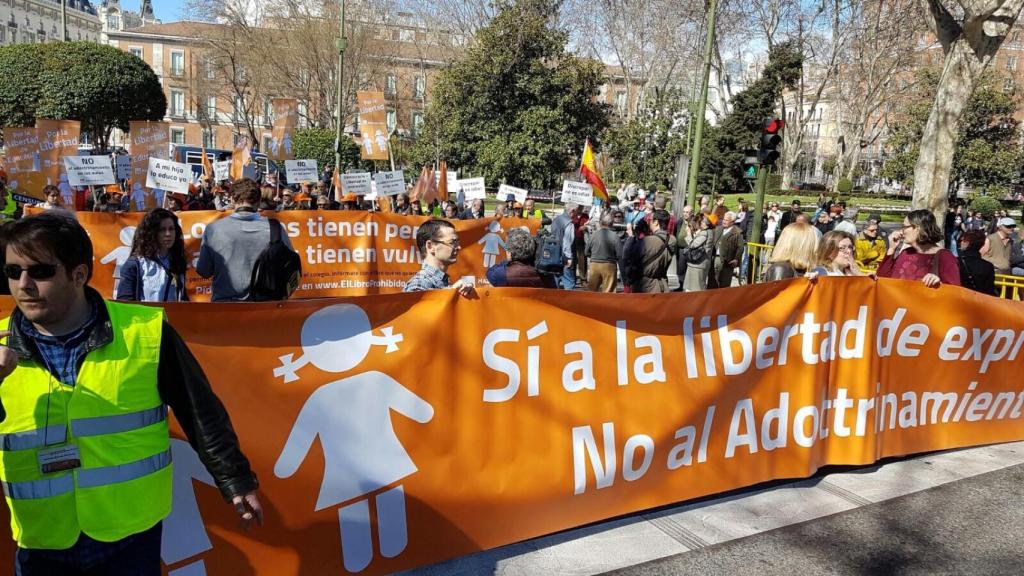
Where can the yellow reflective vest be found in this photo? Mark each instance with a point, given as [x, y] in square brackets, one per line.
[114, 415]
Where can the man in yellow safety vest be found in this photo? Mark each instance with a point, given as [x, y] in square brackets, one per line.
[85, 385]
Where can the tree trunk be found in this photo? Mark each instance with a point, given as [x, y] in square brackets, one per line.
[938, 143]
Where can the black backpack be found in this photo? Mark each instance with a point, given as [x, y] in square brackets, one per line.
[278, 268]
[549, 259]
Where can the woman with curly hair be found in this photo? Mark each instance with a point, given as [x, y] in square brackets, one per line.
[155, 272]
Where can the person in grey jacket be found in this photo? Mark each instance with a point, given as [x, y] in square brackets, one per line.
[232, 245]
[604, 251]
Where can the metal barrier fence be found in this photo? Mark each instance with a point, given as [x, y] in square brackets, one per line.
[1010, 287]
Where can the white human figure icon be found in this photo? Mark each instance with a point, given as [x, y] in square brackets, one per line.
[160, 197]
[493, 243]
[367, 143]
[287, 143]
[274, 146]
[120, 254]
[382, 141]
[139, 196]
[352, 418]
[65, 190]
[184, 533]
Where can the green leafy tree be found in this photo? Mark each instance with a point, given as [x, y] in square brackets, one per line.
[645, 148]
[517, 107]
[987, 150]
[99, 85]
[19, 83]
[318, 144]
[722, 152]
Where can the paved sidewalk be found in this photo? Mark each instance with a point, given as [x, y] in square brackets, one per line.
[677, 533]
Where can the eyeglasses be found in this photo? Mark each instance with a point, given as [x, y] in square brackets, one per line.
[904, 227]
[35, 271]
[845, 248]
[451, 243]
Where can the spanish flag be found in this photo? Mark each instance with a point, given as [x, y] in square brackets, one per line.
[588, 168]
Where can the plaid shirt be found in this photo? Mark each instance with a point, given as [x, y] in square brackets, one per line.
[428, 278]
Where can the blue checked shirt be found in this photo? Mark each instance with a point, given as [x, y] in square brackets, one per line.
[428, 278]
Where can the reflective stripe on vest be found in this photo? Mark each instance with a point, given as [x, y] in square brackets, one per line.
[90, 478]
[45, 488]
[31, 439]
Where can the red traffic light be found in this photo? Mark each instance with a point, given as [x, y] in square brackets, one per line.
[774, 125]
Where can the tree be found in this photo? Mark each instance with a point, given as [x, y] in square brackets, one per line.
[722, 154]
[99, 85]
[517, 106]
[318, 144]
[644, 149]
[986, 150]
[970, 32]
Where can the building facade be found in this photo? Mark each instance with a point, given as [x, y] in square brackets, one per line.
[39, 21]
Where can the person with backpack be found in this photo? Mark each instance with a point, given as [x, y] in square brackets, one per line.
[564, 231]
[604, 251]
[233, 246]
[659, 250]
[976, 273]
[698, 263]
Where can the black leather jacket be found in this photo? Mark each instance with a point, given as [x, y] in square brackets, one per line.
[184, 388]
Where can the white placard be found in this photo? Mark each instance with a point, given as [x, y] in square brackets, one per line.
[222, 170]
[301, 171]
[169, 176]
[358, 183]
[577, 192]
[453, 180]
[504, 190]
[473, 188]
[390, 183]
[124, 166]
[89, 170]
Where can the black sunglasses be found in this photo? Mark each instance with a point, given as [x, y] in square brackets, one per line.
[35, 271]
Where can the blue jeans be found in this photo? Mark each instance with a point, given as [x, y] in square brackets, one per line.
[568, 278]
[136, 555]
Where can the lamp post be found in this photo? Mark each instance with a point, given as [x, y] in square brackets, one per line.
[63, 20]
[341, 96]
[702, 105]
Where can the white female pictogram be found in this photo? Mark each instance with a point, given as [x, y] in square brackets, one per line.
[120, 254]
[352, 418]
[493, 244]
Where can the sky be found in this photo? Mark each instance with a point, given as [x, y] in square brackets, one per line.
[166, 10]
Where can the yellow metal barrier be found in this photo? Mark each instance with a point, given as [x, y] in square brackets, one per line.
[758, 255]
[1010, 287]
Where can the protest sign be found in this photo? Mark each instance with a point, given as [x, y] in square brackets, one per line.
[286, 119]
[504, 190]
[357, 183]
[344, 253]
[301, 171]
[473, 188]
[222, 170]
[148, 140]
[390, 183]
[452, 179]
[89, 170]
[123, 164]
[23, 165]
[549, 410]
[169, 176]
[373, 128]
[57, 138]
[577, 192]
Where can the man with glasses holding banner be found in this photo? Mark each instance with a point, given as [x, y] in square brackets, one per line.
[438, 244]
[84, 390]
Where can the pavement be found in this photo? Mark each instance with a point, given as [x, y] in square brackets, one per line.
[951, 512]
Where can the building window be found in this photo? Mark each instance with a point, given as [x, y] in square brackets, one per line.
[620, 101]
[238, 110]
[303, 115]
[417, 123]
[208, 139]
[209, 68]
[211, 108]
[390, 85]
[177, 135]
[177, 103]
[1008, 85]
[391, 119]
[420, 87]
[177, 62]
[1011, 63]
[112, 21]
[266, 143]
[268, 112]
[3, 34]
[135, 51]
[406, 35]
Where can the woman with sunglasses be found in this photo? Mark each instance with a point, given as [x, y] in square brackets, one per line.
[155, 272]
[914, 253]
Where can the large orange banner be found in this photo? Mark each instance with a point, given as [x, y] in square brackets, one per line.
[148, 140]
[344, 253]
[394, 431]
[57, 138]
[24, 166]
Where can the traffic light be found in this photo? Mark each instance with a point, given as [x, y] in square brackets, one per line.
[771, 137]
[750, 163]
